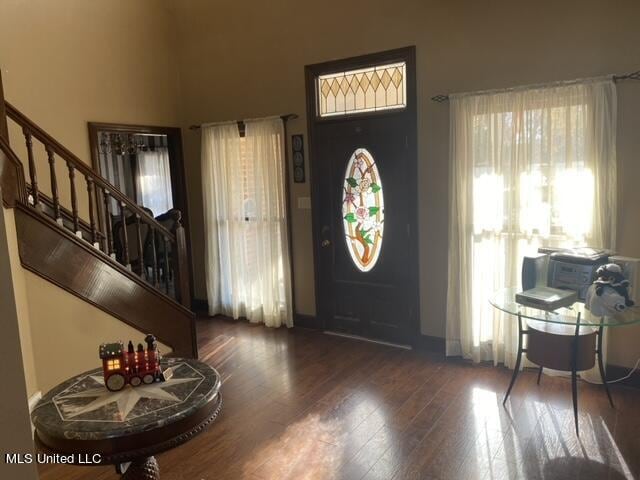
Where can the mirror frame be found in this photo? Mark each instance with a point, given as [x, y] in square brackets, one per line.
[176, 162]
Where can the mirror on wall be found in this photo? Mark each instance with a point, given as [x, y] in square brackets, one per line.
[145, 163]
[138, 165]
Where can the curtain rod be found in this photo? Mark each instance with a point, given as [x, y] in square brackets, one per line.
[285, 117]
[628, 76]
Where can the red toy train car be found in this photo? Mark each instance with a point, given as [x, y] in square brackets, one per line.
[132, 367]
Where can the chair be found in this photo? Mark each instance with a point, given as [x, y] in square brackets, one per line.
[137, 260]
[169, 220]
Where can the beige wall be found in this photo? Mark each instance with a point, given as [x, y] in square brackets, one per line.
[22, 303]
[239, 61]
[66, 338]
[65, 63]
[59, 333]
[14, 414]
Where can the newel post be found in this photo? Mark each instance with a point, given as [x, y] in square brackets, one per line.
[12, 182]
[4, 130]
[180, 264]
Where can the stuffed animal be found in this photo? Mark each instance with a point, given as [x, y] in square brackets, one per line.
[610, 275]
[609, 294]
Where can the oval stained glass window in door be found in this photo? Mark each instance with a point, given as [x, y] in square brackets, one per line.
[363, 210]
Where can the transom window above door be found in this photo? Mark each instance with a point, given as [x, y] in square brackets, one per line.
[380, 87]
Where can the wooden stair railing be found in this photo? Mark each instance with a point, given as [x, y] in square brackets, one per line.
[168, 274]
[77, 255]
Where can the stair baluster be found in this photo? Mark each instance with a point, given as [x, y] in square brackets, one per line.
[141, 265]
[180, 269]
[166, 264]
[32, 167]
[101, 240]
[92, 218]
[54, 184]
[154, 255]
[125, 236]
[74, 199]
[109, 250]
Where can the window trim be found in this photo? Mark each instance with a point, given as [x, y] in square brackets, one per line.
[400, 55]
[363, 70]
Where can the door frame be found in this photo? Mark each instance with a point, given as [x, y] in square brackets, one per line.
[408, 55]
[176, 162]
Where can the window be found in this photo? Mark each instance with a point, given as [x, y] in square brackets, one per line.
[531, 167]
[247, 263]
[382, 87]
[541, 163]
[153, 179]
[113, 364]
[363, 210]
[250, 216]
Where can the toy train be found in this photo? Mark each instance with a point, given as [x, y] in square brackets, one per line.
[133, 367]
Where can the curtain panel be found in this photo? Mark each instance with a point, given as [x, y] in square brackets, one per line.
[247, 250]
[529, 167]
[117, 171]
[154, 180]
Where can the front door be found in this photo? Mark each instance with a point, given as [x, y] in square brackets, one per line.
[363, 159]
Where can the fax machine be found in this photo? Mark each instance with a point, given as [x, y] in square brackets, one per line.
[565, 269]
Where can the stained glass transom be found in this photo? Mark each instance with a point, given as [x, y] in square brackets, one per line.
[369, 89]
[363, 210]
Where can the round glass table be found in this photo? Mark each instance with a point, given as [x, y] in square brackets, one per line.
[566, 339]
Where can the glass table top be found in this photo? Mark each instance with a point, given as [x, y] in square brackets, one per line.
[505, 300]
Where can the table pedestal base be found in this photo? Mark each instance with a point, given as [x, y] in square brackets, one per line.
[141, 469]
[556, 348]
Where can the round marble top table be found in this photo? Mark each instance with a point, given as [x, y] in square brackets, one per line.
[81, 418]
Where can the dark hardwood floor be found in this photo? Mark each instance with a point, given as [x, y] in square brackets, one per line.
[303, 405]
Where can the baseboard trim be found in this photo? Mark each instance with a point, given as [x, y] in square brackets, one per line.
[431, 344]
[616, 371]
[34, 399]
[32, 402]
[307, 321]
[421, 342]
[370, 340]
[199, 305]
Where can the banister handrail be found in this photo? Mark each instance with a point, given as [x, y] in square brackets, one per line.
[13, 183]
[82, 167]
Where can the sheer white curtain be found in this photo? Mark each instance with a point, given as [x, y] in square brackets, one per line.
[247, 250]
[529, 167]
[154, 180]
[113, 167]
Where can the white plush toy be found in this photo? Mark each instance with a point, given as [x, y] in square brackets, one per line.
[609, 302]
[609, 294]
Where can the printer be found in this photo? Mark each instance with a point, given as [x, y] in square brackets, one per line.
[575, 269]
[565, 269]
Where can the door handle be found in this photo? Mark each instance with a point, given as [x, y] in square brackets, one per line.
[324, 233]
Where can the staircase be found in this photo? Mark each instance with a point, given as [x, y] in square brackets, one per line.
[144, 282]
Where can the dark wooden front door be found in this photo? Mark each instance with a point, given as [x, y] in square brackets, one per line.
[364, 210]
